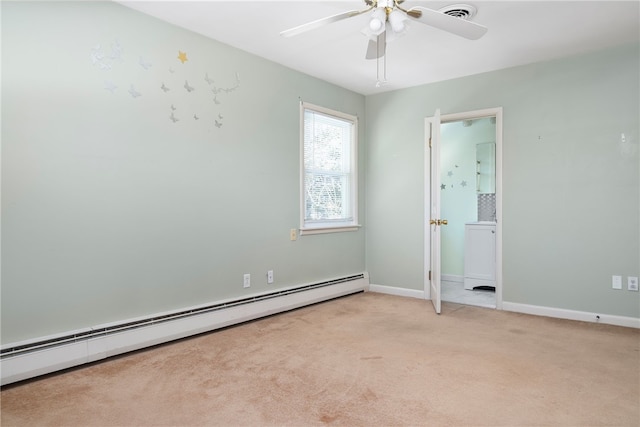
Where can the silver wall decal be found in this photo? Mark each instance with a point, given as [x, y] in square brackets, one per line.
[104, 56]
[134, 93]
[110, 86]
[144, 64]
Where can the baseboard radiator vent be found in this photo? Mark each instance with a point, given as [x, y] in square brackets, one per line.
[20, 361]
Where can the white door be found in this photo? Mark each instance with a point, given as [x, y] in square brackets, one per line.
[434, 209]
[432, 201]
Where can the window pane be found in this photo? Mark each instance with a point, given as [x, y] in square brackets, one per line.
[326, 143]
[327, 166]
[326, 196]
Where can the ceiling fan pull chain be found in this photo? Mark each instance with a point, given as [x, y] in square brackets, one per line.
[384, 59]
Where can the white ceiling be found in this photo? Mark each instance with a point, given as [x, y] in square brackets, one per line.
[520, 32]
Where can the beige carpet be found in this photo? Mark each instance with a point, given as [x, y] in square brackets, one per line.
[363, 360]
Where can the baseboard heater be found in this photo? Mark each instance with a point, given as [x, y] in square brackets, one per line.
[28, 359]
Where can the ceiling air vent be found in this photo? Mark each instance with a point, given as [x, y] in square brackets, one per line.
[462, 11]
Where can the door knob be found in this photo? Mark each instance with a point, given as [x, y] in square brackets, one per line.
[438, 222]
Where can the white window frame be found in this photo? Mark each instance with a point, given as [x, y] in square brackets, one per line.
[330, 226]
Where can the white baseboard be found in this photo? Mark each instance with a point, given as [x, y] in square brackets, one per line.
[560, 313]
[18, 366]
[402, 292]
[451, 278]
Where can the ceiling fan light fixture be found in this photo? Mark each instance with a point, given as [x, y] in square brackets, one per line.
[377, 22]
[396, 19]
[393, 35]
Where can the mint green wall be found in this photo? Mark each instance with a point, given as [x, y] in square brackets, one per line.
[571, 186]
[459, 203]
[110, 210]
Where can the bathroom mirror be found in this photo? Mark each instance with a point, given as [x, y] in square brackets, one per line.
[486, 168]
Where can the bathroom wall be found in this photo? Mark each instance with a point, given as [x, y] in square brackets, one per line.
[458, 193]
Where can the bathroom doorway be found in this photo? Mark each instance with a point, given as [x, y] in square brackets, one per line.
[470, 153]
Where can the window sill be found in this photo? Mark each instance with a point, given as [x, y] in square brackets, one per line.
[325, 230]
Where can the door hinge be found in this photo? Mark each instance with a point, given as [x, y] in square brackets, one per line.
[429, 275]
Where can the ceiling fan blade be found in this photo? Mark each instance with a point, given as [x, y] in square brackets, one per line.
[467, 29]
[321, 22]
[377, 47]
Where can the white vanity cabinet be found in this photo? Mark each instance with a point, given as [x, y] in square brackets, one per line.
[479, 254]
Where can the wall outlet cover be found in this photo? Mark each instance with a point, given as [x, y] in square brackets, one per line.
[632, 283]
[616, 282]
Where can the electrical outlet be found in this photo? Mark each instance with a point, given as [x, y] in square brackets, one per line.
[293, 234]
[247, 281]
[616, 282]
[270, 276]
[632, 283]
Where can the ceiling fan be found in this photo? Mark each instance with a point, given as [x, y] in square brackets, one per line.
[388, 21]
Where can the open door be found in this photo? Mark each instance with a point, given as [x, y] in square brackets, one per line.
[432, 237]
[434, 208]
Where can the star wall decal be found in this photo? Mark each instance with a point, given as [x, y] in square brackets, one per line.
[182, 56]
[463, 183]
[443, 186]
[450, 173]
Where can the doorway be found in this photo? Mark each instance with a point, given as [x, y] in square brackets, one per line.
[466, 154]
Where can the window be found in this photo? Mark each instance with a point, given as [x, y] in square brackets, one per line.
[329, 185]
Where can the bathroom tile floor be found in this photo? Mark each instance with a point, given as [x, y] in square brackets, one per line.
[455, 292]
